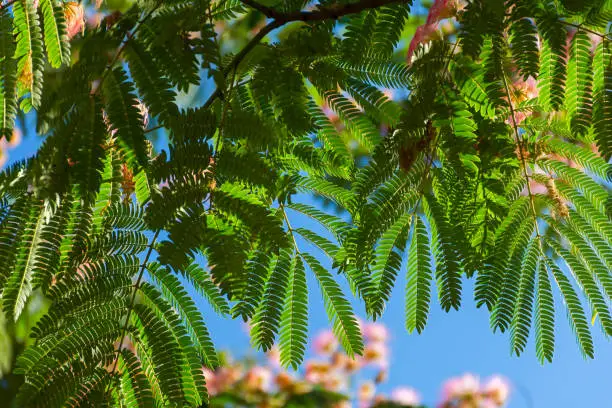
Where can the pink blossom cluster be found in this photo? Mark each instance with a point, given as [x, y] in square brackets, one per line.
[267, 384]
[6, 145]
[468, 392]
[439, 10]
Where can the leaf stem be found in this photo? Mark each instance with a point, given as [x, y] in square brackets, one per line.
[132, 301]
[289, 228]
[521, 146]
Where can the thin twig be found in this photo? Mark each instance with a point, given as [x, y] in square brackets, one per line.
[154, 128]
[124, 44]
[520, 144]
[580, 27]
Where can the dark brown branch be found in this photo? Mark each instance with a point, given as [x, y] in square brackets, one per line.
[580, 27]
[267, 11]
[335, 11]
[324, 13]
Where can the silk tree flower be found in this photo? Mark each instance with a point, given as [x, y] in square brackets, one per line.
[144, 112]
[227, 377]
[258, 379]
[316, 371]
[375, 332]
[497, 389]
[6, 145]
[405, 396]
[460, 387]
[365, 393]
[273, 357]
[284, 381]
[211, 381]
[325, 343]
[74, 13]
[377, 353]
[340, 361]
[335, 380]
[439, 10]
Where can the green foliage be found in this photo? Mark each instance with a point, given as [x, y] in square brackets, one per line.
[492, 162]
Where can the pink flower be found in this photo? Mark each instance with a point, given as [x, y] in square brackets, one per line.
[440, 10]
[366, 393]
[405, 396]
[316, 371]
[75, 18]
[497, 389]
[375, 332]
[258, 379]
[335, 381]
[211, 381]
[226, 377]
[284, 380]
[376, 353]
[144, 112]
[325, 343]
[528, 87]
[460, 387]
[274, 357]
[423, 34]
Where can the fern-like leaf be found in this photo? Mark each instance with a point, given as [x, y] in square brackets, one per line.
[294, 319]
[418, 278]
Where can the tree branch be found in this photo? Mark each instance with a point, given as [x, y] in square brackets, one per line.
[580, 27]
[279, 19]
[267, 11]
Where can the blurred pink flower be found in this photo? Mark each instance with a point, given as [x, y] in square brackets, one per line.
[325, 343]
[75, 18]
[405, 396]
[258, 379]
[595, 40]
[497, 389]
[284, 380]
[440, 10]
[527, 87]
[335, 381]
[460, 387]
[274, 357]
[316, 371]
[375, 332]
[226, 377]
[211, 381]
[377, 353]
[366, 393]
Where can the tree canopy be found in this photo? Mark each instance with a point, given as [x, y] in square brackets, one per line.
[491, 161]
